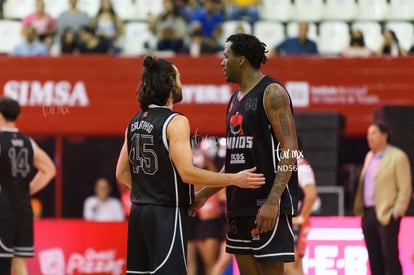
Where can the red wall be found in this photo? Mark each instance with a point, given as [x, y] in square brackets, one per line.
[96, 95]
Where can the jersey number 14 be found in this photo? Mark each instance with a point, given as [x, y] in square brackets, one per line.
[19, 160]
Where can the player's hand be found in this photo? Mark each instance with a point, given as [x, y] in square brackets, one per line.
[296, 221]
[199, 201]
[248, 179]
[266, 217]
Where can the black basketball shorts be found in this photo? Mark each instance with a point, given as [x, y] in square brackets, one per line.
[157, 240]
[273, 246]
[16, 237]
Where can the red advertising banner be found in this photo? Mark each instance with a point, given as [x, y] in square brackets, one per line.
[95, 95]
[71, 247]
[65, 247]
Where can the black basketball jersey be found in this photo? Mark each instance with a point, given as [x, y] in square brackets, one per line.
[154, 177]
[251, 143]
[16, 167]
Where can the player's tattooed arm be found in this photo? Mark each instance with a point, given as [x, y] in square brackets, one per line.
[277, 105]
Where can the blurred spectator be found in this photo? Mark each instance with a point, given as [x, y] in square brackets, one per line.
[213, 44]
[185, 8]
[196, 42]
[90, 43]
[357, 46]
[206, 18]
[72, 18]
[101, 207]
[107, 23]
[169, 28]
[391, 45]
[239, 29]
[44, 24]
[200, 45]
[31, 46]
[244, 9]
[300, 45]
[411, 52]
[68, 42]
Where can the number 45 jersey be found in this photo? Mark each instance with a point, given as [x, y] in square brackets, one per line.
[155, 179]
[16, 171]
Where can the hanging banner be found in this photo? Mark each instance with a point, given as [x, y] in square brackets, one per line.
[95, 95]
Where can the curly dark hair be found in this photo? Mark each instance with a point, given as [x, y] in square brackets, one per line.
[158, 80]
[250, 47]
[9, 108]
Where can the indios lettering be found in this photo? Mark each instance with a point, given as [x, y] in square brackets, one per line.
[240, 142]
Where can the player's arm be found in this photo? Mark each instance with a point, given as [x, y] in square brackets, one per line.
[307, 182]
[123, 172]
[403, 180]
[46, 169]
[277, 106]
[178, 134]
[310, 196]
[202, 196]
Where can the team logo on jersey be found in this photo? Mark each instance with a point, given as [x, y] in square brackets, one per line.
[236, 126]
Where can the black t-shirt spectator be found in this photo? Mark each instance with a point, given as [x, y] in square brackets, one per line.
[103, 46]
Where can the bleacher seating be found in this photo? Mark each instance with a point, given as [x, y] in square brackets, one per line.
[138, 40]
[271, 33]
[340, 10]
[278, 18]
[309, 10]
[292, 30]
[148, 8]
[17, 9]
[91, 7]
[401, 10]
[56, 7]
[126, 9]
[372, 10]
[229, 27]
[276, 10]
[333, 37]
[404, 32]
[10, 35]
